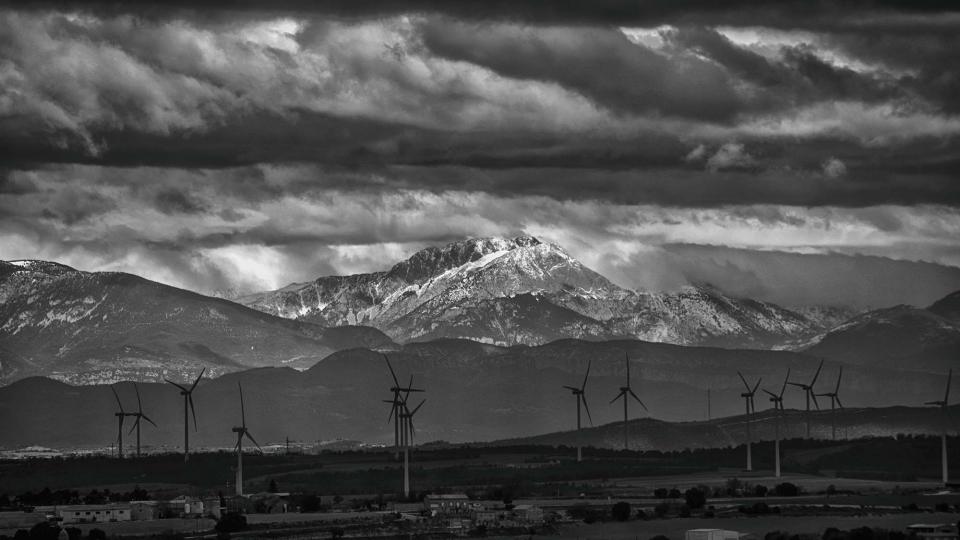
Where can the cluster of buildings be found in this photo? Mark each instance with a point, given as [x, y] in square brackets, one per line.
[180, 507]
[460, 513]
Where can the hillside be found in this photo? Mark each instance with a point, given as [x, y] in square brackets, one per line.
[88, 327]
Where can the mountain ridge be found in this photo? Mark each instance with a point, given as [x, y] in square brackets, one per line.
[434, 291]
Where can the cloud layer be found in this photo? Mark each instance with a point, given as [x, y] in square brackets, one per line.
[233, 146]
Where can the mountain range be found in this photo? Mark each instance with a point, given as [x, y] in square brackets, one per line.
[525, 291]
[88, 327]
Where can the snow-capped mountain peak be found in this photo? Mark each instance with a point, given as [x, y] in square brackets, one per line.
[480, 288]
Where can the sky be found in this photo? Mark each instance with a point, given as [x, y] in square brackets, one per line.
[803, 153]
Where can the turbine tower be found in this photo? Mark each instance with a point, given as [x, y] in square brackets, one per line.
[808, 393]
[397, 402]
[120, 414]
[834, 401]
[242, 432]
[626, 393]
[943, 435]
[751, 408]
[777, 400]
[581, 396]
[139, 415]
[188, 403]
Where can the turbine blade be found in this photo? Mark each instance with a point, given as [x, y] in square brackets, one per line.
[838, 401]
[583, 399]
[417, 408]
[243, 414]
[621, 394]
[147, 418]
[586, 376]
[571, 388]
[817, 374]
[198, 379]
[626, 356]
[784, 389]
[134, 426]
[801, 385]
[946, 396]
[194, 411]
[139, 402]
[770, 393]
[392, 373]
[754, 391]
[636, 397]
[117, 397]
[744, 381]
[254, 441]
[839, 376]
[177, 385]
[814, 398]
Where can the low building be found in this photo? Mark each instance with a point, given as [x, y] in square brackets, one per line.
[938, 531]
[213, 507]
[92, 513]
[181, 507]
[528, 514]
[144, 510]
[447, 504]
[711, 534]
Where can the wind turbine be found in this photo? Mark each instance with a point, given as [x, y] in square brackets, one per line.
[139, 415]
[242, 432]
[121, 414]
[397, 402]
[188, 402]
[808, 393]
[751, 408]
[834, 401]
[777, 400]
[626, 393]
[943, 436]
[580, 394]
[406, 434]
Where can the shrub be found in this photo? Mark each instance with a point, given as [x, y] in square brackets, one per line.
[661, 493]
[621, 511]
[786, 489]
[661, 510]
[675, 493]
[695, 498]
[660, 537]
[97, 534]
[760, 491]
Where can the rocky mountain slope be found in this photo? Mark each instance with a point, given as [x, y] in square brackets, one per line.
[524, 291]
[88, 327]
[474, 392]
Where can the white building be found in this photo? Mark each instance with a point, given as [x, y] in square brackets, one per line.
[938, 531]
[711, 534]
[92, 513]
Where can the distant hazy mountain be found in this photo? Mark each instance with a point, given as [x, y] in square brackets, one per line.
[900, 337]
[524, 291]
[474, 392]
[89, 327]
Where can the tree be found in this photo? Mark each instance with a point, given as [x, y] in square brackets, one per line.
[760, 490]
[44, 531]
[786, 489]
[675, 493]
[660, 493]
[695, 498]
[621, 511]
[74, 533]
[97, 534]
[273, 486]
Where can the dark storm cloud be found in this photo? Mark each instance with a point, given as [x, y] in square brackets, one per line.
[599, 62]
[827, 279]
[887, 14]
